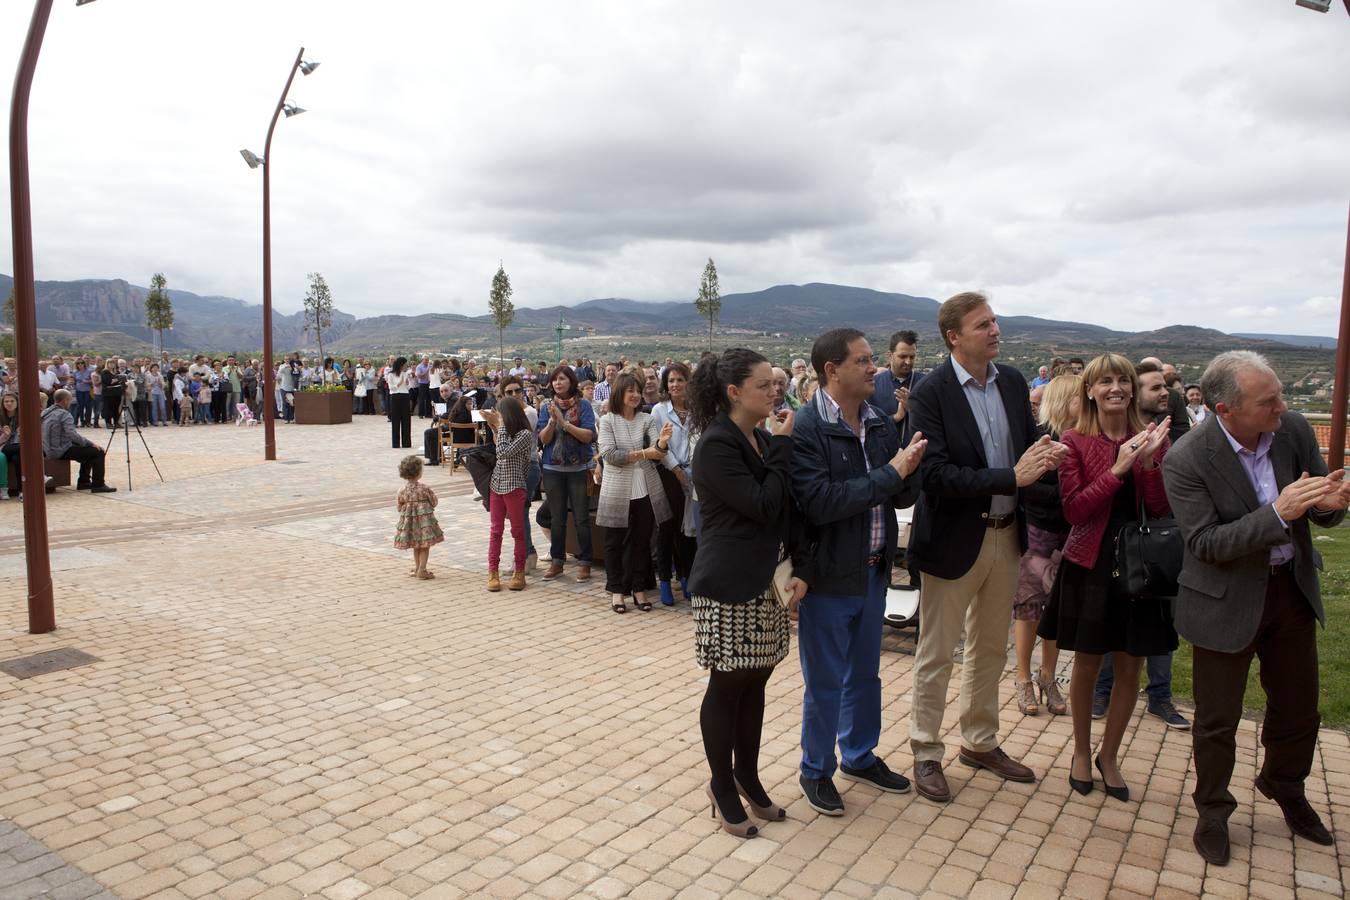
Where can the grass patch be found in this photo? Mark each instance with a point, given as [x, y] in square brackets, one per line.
[1333, 642]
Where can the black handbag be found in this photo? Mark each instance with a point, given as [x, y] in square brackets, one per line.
[1148, 555]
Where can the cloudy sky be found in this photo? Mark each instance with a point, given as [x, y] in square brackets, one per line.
[1131, 164]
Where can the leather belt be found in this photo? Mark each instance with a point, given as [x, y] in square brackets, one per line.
[875, 559]
[997, 522]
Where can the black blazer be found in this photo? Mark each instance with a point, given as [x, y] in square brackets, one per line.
[745, 504]
[950, 517]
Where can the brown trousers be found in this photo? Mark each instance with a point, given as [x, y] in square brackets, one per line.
[1286, 645]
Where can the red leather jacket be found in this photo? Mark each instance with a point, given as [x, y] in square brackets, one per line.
[1088, 489]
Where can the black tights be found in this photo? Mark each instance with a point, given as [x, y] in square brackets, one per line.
[732, 719]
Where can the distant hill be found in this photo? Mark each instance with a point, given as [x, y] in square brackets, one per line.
[1293, 340]
[89, 313]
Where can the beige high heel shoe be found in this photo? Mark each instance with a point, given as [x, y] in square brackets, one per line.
[742, 830]
[771, 813]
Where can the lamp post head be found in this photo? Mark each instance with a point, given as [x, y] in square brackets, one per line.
[292, 109]
[307, 67]
[249, 156]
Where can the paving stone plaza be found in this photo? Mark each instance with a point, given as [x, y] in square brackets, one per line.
[277, 710]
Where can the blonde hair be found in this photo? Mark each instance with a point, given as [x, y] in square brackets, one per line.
[1057, 402]
[410, 468]
[1107, 364]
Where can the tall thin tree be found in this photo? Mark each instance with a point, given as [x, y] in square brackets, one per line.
[502, 309]
[709, 299]
[318, 308]
[7, 346]
[158, 307]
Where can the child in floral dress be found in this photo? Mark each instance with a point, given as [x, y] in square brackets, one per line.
[417, 525]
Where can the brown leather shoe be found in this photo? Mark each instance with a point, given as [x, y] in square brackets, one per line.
[998, 762]
[584, 572]
[1211, 841]
[517, 580]
[1301, 818]
[554, 570]
[930, 782]
[494, 582]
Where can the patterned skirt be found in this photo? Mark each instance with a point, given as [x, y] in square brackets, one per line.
[417, 527]
[733, 636]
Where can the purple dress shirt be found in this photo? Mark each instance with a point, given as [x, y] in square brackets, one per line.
[1261, 473]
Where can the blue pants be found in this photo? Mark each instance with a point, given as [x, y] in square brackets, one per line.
[839, 640]
[82, 407]
[157, 409]
[532, 476]
[1159, 688]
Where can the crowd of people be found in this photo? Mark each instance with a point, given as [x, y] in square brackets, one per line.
[768, 495]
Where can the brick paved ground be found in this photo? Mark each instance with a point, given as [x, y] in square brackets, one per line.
[279, 710]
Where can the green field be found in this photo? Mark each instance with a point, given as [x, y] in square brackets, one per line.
[1333, 642]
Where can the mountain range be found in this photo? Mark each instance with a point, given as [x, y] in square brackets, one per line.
[93, 312]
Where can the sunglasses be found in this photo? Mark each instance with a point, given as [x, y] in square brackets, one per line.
[509, 391]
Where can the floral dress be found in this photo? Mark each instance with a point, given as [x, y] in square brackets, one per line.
[417, 525]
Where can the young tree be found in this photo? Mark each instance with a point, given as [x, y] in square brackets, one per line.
[318, 308]
[158, 307]
[709, 300]
[502, 309]
[7, 342]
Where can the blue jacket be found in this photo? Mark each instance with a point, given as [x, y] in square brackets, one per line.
[836, 493]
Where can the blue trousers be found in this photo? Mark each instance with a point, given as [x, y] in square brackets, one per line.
[839, 641]
[1159, 678]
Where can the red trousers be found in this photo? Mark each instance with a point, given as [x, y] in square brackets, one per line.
[510, 504]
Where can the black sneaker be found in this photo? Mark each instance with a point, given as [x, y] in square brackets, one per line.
[102, 489]
[821, 795]
[1099, 705]
[1164, 710]
[878, 776]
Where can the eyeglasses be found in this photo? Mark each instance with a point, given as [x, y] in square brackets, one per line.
[510, 391]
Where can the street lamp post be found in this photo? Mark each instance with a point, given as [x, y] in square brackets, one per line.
[268, 372]
[41, 607]
[1340, 391]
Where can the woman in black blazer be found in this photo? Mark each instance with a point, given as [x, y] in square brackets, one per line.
[742, 477]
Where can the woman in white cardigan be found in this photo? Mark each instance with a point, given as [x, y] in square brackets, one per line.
[632, 501]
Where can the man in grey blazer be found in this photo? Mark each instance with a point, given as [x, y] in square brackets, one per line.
[1244, 485]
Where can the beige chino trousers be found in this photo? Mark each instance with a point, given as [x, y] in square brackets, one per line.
[981, 600]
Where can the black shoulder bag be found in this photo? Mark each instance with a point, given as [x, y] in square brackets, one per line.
[1148, 555]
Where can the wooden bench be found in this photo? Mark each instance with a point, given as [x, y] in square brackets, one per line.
[58, 470]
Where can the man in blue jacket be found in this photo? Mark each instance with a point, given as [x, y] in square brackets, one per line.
[849, 473]
[893, 384]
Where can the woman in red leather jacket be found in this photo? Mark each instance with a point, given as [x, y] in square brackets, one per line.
[1114, 463]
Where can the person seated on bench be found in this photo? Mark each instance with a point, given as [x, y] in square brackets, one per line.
[60, 440]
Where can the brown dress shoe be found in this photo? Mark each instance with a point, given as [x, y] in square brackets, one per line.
[1301, 818]
[554, 570]
[930, 782]
[1211, 841]
[584, 572]
[998, 762]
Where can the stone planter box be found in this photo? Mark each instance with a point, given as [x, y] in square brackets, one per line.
[314, 408]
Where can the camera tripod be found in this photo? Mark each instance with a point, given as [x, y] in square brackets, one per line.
[128, 422]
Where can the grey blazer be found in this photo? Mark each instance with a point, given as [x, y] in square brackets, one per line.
[1229, 536]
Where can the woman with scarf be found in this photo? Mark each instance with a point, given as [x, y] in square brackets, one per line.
[675, 544]
[567, 431]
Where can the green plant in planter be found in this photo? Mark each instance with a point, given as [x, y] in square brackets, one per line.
[325, 389]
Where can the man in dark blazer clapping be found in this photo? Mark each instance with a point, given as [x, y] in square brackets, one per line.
[1244, 485]
[969, 534]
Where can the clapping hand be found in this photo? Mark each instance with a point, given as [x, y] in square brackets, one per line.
[1039, 458]
[1338, 493]
[492, 418]
[1141, 446]
[780, 423]
[906, 459]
